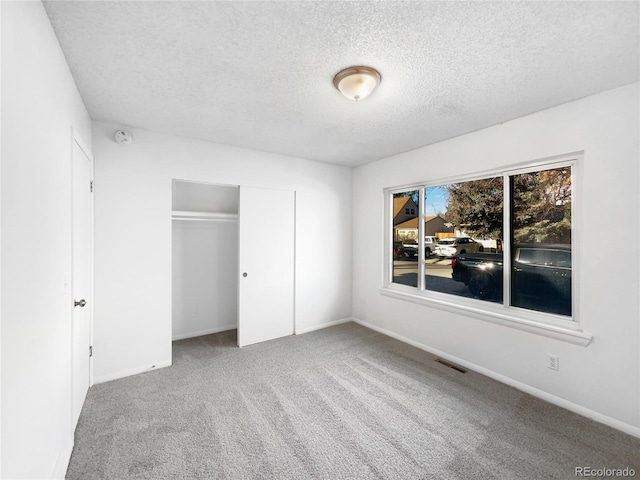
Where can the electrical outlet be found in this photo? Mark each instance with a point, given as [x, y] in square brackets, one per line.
[554, 362]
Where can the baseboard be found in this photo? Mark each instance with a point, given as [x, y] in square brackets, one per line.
[62, 462]
[299, 331]
[182, 336]
[131, 371]
[548, 397]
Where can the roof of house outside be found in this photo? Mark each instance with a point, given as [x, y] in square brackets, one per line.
[399, 203]
[413, 222]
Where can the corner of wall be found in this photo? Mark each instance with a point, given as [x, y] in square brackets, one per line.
[62, 462]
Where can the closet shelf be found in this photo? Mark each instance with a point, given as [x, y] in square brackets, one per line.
[204, 216]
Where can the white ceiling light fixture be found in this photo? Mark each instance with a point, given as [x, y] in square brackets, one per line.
[357, 83]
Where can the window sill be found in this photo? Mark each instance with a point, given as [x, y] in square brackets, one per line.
[496, 314]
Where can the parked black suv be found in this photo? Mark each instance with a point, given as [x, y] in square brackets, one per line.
[540, 277]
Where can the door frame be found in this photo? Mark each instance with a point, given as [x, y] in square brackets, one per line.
[239, 186]
[76, 139]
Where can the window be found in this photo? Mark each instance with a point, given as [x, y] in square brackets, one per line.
[466, 218]
[466, 231]
[541, 240]
[405, 238]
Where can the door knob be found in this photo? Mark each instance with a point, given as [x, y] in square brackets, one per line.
[80, 303]
[245, 274]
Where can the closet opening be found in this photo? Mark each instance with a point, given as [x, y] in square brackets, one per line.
[205, 256]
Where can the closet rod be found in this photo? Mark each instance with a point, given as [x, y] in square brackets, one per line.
[205, 216]
[212, 220]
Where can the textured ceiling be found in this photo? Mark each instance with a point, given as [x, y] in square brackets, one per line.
[259, 74]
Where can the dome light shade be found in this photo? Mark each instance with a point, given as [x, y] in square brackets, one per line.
[356, 83]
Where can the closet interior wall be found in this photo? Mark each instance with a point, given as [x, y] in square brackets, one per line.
[205, 258]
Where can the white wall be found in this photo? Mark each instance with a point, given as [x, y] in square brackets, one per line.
[40, 103]
[132, 323]
[602, 379]
[205, 277]
[205, 197]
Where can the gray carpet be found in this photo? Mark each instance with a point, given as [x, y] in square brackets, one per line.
[341, 403]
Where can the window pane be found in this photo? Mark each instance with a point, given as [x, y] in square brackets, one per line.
[405, 238]
[541, 243]
[463, 223]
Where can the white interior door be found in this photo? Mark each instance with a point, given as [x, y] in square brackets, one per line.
[266, 275]
[81, 337]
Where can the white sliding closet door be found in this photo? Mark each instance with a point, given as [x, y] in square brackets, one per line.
[266, 274]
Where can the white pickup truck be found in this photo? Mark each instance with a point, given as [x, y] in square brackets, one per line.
[449, 247]
[430, 242]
